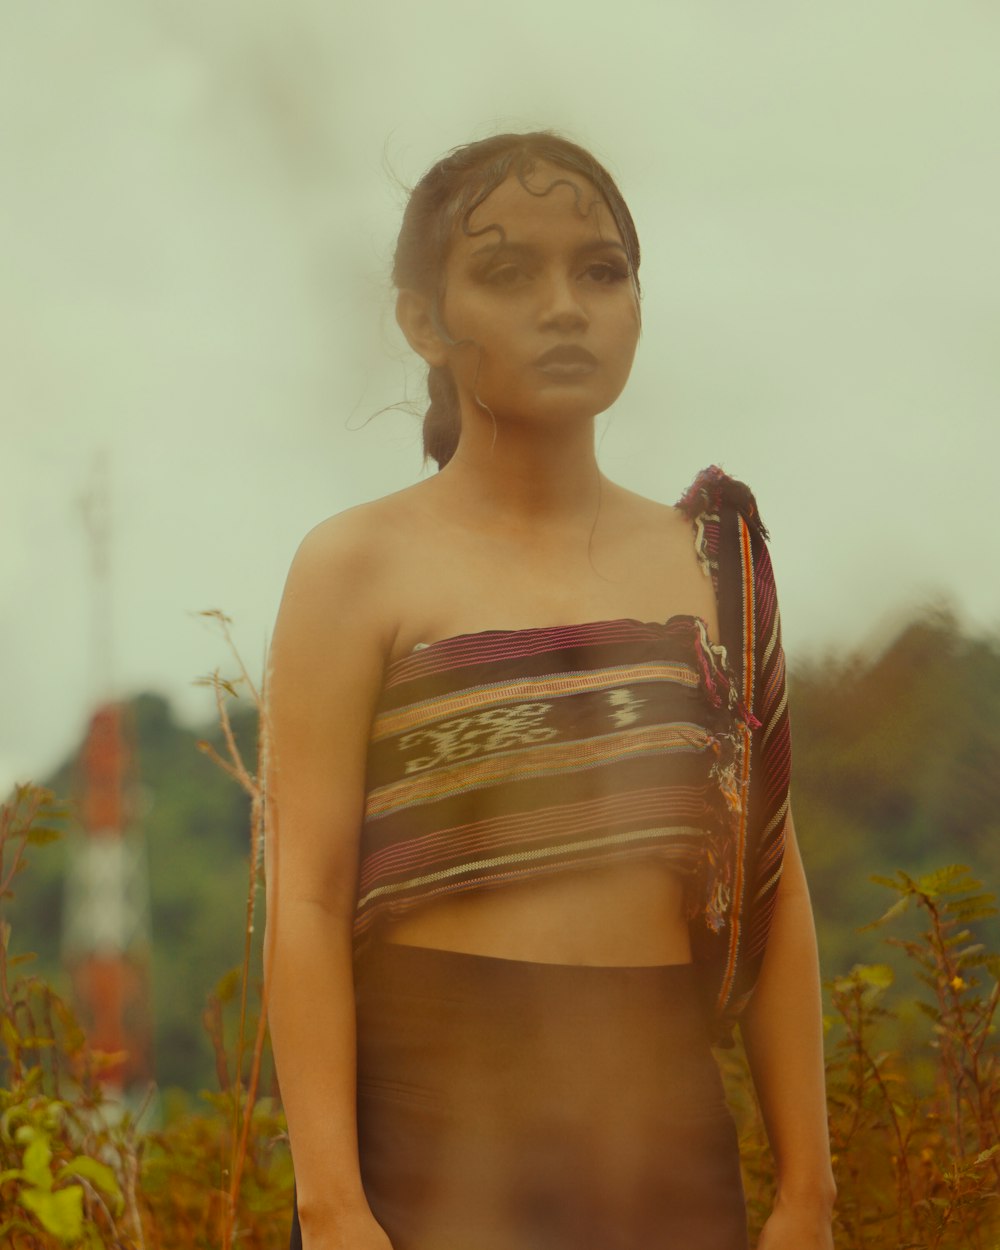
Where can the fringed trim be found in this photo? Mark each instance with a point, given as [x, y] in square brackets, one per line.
[721, 843]
[712, 895]
[699, 545]
[712, 489]
[716, 675]
[718, 884]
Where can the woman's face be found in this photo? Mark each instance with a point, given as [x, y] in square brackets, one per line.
[544, 315]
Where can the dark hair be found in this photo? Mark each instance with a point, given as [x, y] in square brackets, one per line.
[447, 195]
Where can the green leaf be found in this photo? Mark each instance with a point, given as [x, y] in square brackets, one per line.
[879, 975]
[10, 1035]
[973, 907]
[39, 835]
[59, 1211]
[98, 1173]
[897, 909]
[889, 882]
[943, 880]
[228, 984]
[37, 1157]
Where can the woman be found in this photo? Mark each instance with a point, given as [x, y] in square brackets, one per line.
[525, 848]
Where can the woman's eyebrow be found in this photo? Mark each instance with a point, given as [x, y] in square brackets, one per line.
[528, 249]
[601, 245]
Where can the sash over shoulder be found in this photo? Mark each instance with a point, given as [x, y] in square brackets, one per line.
[737, 558]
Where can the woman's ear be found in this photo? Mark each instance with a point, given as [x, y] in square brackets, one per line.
[416, 320]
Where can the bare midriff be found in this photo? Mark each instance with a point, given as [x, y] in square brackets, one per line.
[628, 914]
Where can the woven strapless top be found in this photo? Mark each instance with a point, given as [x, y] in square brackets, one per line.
[508, 754]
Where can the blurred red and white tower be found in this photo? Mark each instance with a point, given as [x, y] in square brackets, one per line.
[106, 928]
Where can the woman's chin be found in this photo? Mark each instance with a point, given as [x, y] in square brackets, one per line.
[552, 409]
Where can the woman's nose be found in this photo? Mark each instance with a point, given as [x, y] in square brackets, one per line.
[561, 304]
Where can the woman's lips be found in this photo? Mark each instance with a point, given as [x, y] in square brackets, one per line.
[566, 362]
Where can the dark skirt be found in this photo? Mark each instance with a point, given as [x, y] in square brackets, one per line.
[507, 1105]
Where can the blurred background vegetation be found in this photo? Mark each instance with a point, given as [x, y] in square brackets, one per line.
[896, 765]
[896, 776]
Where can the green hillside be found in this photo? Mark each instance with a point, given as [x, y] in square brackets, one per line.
[896, 764]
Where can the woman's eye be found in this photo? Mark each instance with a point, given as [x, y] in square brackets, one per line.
[505, 275]
[607, 272]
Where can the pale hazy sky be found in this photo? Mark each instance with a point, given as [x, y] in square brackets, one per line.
[198, 204]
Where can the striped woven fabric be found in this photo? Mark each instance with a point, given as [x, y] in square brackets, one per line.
[507, 754]
[734, 543]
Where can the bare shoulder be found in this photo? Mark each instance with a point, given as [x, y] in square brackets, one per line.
[343, 548]
[363, 533]
[341, 583]
[648, 515]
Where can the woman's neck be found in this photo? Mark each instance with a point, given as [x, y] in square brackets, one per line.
[525, 476]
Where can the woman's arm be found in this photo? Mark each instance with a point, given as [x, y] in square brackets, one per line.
[783, 1032]
[324, 674]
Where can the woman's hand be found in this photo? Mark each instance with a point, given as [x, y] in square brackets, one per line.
[357, 1230]
[802, 1226]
